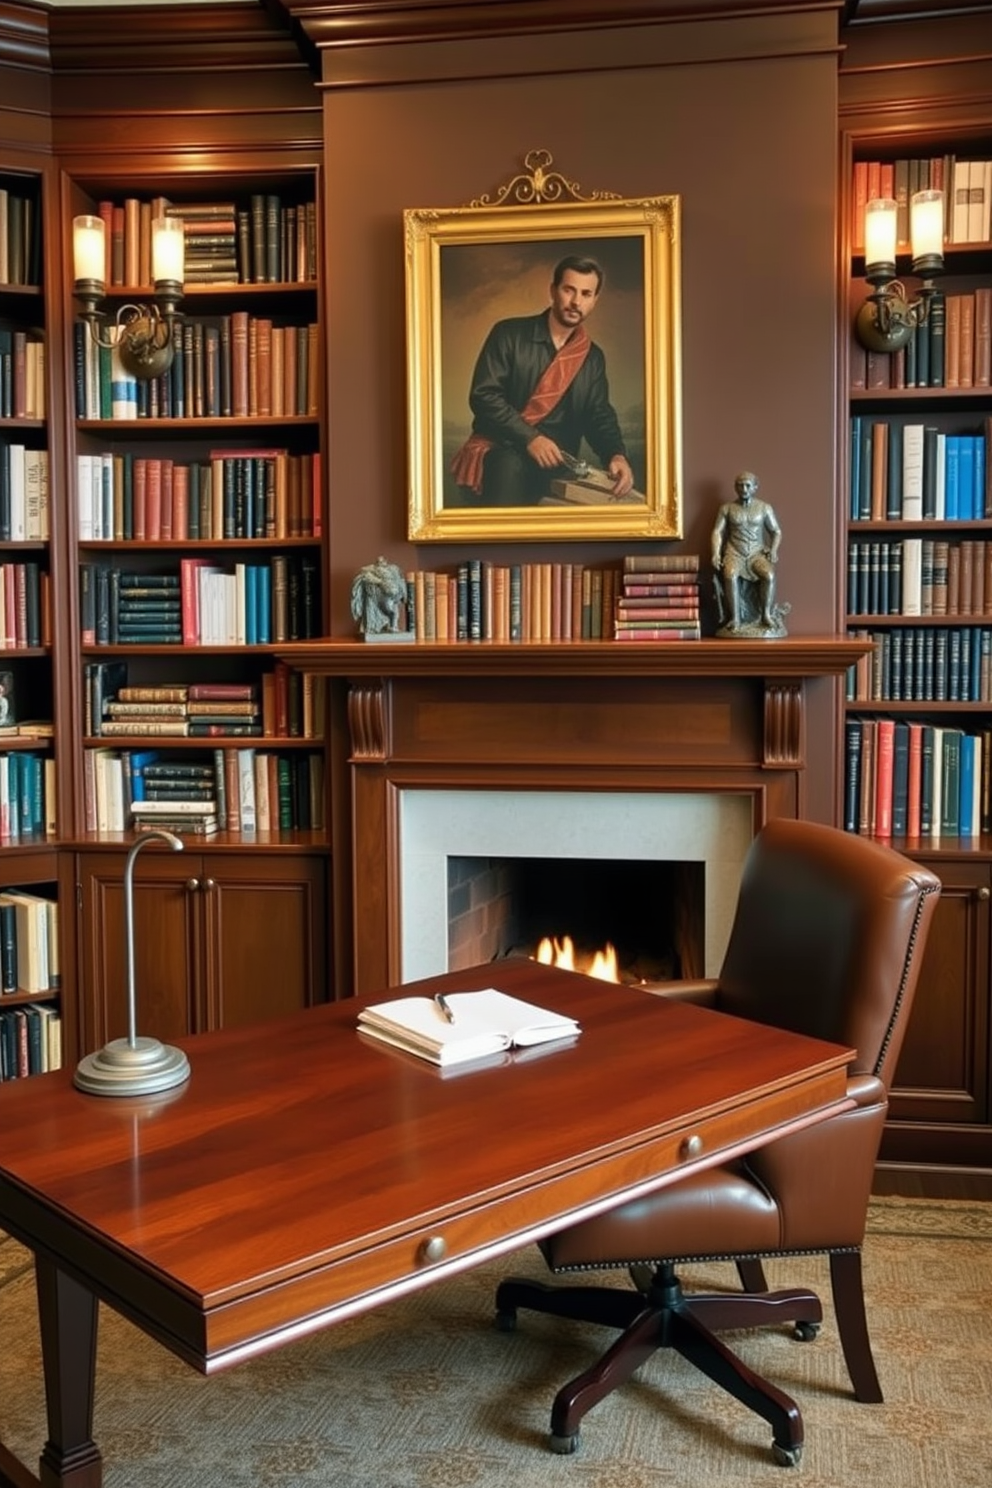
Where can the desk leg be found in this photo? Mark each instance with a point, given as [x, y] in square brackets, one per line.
[68, 1315]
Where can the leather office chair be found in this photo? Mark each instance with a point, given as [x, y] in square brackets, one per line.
[827, 940]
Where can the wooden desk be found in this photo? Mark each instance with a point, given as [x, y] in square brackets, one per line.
[304, 1173]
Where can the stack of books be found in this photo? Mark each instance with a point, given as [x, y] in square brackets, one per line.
[179, 795]
[659, 598]
[197, 710]
[210, 241]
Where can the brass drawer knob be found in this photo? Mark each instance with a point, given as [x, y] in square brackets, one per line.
[691, 1147]
[434, 1249]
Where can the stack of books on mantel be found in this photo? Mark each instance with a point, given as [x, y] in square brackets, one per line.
[659, 598]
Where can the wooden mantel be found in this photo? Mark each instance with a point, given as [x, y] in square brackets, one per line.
[580, 716]
[792, 656]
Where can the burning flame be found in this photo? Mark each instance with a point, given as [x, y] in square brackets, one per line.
[554, 952]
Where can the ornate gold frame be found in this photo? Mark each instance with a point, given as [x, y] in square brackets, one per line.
[533, 209]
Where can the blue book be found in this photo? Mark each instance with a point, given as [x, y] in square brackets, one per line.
[968, 813]
[251, 604]
[952, 478]
[981, 458]
[135, 761]
[966, 477]
[264, 606]
[854, 494]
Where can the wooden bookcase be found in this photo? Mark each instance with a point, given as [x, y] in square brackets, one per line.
[31, 783]
[912, 585]
[215, 469]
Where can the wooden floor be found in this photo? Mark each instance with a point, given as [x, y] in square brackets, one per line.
[939, 1183]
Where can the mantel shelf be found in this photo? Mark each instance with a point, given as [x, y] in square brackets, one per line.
[791, 657]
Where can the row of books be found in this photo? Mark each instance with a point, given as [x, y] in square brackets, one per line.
[27, 796]
[659, 604]
[966, 184]
[29, 943]
[25, 606]
[202, 603]
[285, 704]
[915, 472]
[952, 348]
[919, 576]
[30, 1040]
[939, 664]
[914, 779]
[242, 789]
[233, 494]
[24, 494]
[22, 373]
[262, 240]
[20, 238]
[483, 601]
[230, 366]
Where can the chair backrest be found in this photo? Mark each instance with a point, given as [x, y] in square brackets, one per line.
[825, 939]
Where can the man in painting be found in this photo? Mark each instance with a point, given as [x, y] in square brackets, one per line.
[539, 388]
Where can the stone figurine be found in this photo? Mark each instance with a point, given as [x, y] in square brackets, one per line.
[378, 595]
[746, 540]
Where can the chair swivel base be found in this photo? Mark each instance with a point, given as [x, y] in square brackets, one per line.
[664, 1317]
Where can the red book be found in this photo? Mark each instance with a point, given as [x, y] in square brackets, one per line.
[180, 501]
[165, 521]
[239, 363]
[139, 519]
[153, 501]
[885, 735]
[915, 772]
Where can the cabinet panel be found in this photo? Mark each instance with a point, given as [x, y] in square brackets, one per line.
[264, 938]
[943, 1071]
[165, 944]
[221, 940]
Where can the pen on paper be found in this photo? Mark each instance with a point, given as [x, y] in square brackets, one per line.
[444, 1007]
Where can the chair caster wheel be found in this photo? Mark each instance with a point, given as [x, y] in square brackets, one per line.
[787, 1456]
[563, 1446]
[805, 1332]
[506, 1321]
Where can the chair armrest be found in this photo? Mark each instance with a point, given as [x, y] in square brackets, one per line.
[701, 990]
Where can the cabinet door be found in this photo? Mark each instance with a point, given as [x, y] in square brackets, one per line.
[166, 947]
[943, 1070]
[264, 936]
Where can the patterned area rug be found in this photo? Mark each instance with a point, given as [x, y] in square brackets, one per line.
[426, 1393]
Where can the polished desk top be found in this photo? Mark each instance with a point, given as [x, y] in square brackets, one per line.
[298, 1175]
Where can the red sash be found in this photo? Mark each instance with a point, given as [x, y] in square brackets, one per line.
[552, 386]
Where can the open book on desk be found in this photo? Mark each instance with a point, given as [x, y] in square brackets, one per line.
[463, 1026]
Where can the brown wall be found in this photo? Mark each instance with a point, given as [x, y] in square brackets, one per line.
[749, 142]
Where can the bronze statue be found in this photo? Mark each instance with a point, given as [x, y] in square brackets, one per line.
[378, 594]
[746, 539]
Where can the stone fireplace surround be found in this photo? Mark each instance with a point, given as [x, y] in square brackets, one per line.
[423, 734]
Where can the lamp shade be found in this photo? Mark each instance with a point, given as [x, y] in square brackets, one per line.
[880, 234]
[168, 250]
[926, 226]
[89, 249]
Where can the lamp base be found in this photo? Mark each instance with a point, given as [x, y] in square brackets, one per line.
[142, 1068]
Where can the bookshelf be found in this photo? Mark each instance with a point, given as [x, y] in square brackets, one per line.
[196, 542]
[31, 1012]
[917, 528]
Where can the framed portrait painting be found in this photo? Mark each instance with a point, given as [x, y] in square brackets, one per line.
[544, 371]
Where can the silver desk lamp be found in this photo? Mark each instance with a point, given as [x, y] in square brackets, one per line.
[134, 1066]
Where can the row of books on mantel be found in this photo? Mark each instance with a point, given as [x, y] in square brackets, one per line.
[243, 790]
[916, 779]
[283, 704]
[652, 597]
[258, 493]
[924, 664]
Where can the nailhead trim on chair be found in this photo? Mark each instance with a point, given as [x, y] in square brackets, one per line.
[924, 893]
[688, 1260]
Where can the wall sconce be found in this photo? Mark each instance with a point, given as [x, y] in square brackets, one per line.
[888, 318]
[144, 335]
[133, 1065]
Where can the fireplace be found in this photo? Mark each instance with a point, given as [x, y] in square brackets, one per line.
[586, 751]
[707, 832]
